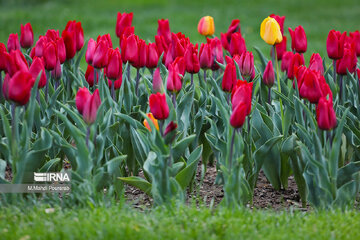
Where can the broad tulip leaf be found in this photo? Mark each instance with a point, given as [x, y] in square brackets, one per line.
[180, 147]
[138, 182]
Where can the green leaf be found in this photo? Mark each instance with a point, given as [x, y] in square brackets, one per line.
[52, 166]
[139, 183]
[180, 147]
[185, 176]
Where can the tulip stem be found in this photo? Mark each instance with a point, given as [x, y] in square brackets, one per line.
[279, 89]
[174, 99]
[228, 98]
[14, 129]
[161, 124]
[47, 85]
[95, 78]
[113, 90]
[341, 88]
[1, 96]
[137, 81]
[232, 149]
[128, 71]
[269, 96]
[334, 73]
[192, 79]
[205, 75]
[87, 136]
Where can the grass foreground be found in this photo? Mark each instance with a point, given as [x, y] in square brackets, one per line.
[184, 223]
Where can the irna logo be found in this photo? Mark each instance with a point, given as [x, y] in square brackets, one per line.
[52, 177]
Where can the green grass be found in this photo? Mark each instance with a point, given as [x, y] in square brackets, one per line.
[184, 223]
[99, 17]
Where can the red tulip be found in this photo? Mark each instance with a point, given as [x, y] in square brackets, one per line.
[247, 64]
[88, 104]
[16, 62]
[89, 75]
[269, 75]
[226, 37]
[133, 50]
[296, 60]
[27, 36]
[335, 44]
[216, 51]
[13, 42]
[229, 77]
[192, 64]
[152, 55]
[286, 60]
[61, 50]
[180, 62]
[164, 30]
[347, 62]
[3, 57]
[242, 93]
[142, 57]
[237, 45]
[298, 39]
[39, 46]
[170, 127]
[280, 20]
[299, 73]
[123, 21]
[106, 38]
[356, 38]
[50, 56]
[280, 49]
[238, 115]
[37, 67]
[316, 63]
[117, 82]
[325, 114]
[100, 59]
[205, 56]
[70, 43]
[312, 86]
[174, 83]
[52, 34]
[158, 106]
[76, 28]
[157, 81]
[161, 45]
[114, 66]
[18, 87]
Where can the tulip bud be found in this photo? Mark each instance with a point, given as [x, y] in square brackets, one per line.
[158, 106]
[123, 21]
[229, 78]
[316, 63]
[335, 44]
[100, 59]
[238, 115]
[356, 38]
[16, 62]
[61, 50]
[247, 64]
[114, 66]
[52, 34]
[129, 49]
[205, 56]
[154, 121]
[88, 104]
[89, 75]
[27, 36]
[50, 56]
[152, 55]
[286, 60]
[70, 43]
[347, 62]
[89, 55]
[242, 93]
[311, 86]
[18, 87]
[237, 45]
[174, 83]
[170, 132]
[39, 46]
[270, 31]
[192, 64]
[142, 55]
[296, 60]
[3, 58]
[206, 26]
[269, 75]
[13, 42]
[37, 67]
[325, 114]
[298, 39]
[157, 82]
[164, 30]
[226, 37]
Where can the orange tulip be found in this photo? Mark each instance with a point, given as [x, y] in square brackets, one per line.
[206, 26]
[155, 122]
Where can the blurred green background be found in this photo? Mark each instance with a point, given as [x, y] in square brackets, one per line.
[99, 17]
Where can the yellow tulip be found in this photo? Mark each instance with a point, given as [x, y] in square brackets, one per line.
[270, 31]
[155, 122]
[206, 26]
